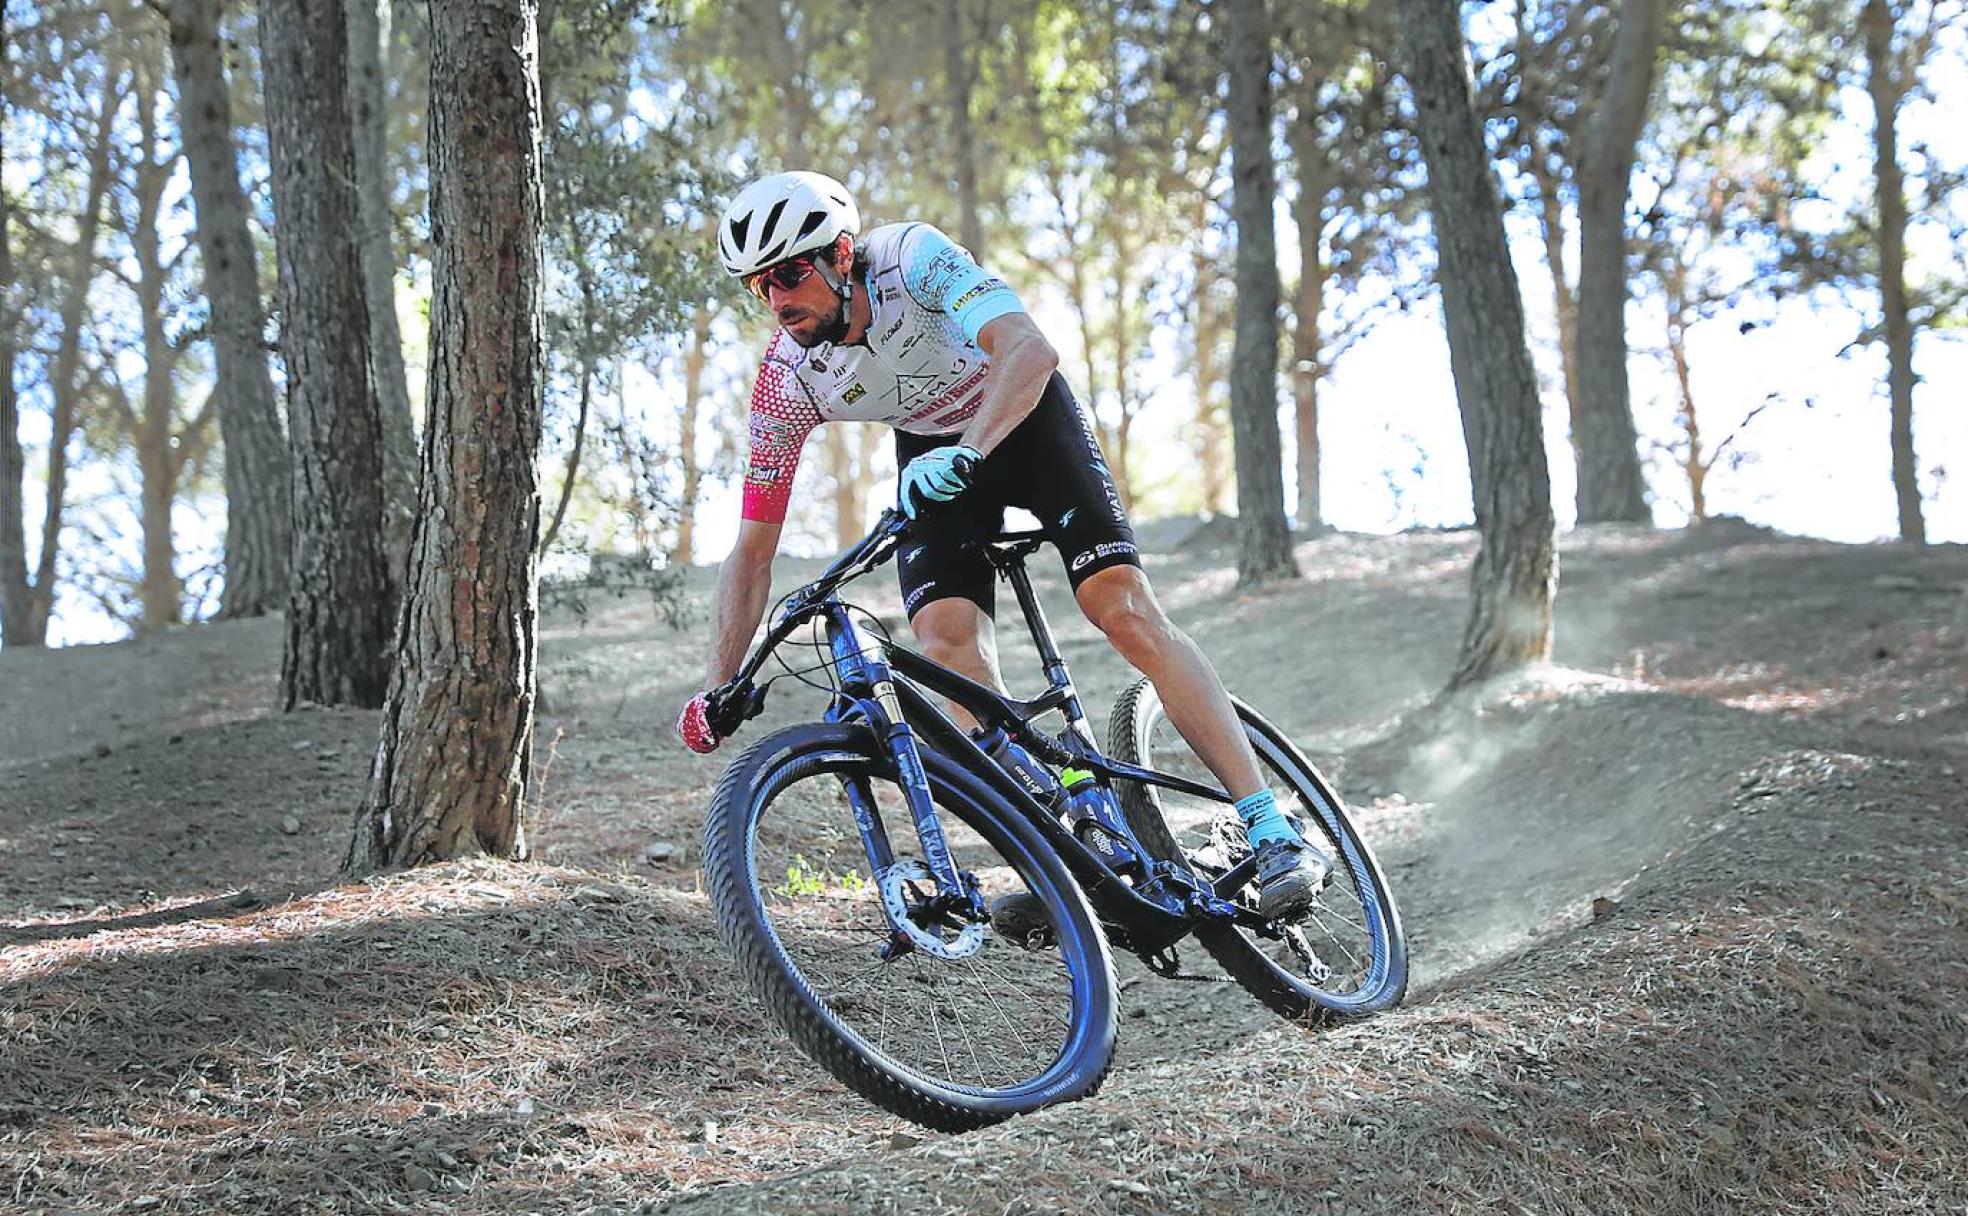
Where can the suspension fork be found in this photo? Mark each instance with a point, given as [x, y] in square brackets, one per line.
[869, 692]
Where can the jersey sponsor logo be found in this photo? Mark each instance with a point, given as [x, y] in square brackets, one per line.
[943, 268]
[1107, 488]
[762, 475]
[854, 393]
[1106, 548]
[1068, 517]
[977, 293]
[913, 554]
[769, 434]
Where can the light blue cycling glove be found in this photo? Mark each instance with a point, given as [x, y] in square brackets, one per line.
[938, 476]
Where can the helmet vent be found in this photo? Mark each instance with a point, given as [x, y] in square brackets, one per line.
[738, 230]
[772, 221]
[813, 220]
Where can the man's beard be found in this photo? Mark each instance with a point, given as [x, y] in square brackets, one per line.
[831, 331]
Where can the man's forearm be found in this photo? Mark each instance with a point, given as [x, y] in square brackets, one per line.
[741, 593]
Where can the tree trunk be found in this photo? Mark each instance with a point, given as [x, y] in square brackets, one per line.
[572, 472]
[1119, 464]
[694, 360]
[160, 592]
[1551, 221]
[66, 388]
[368, 32]
[1515, 576]
[1887, 92]
[848, 495]
[1264, 537]
[959, 76]
[339, 609]
[258, 478]
[456, 752]
[1610, 486]
[1308, 364]
[14, 591]
[1695, 462]
[590, 317]
[1212, 444]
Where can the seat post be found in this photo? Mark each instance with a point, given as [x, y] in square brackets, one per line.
[1011, 564]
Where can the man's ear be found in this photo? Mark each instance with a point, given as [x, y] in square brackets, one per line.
[843, 255]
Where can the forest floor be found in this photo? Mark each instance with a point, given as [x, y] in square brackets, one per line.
[1748, 753]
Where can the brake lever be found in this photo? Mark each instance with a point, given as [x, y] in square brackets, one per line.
[732, 705]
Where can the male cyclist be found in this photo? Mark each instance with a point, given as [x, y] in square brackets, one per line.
[904, 327]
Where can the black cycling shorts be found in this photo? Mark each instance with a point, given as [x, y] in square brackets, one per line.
[1051, 466]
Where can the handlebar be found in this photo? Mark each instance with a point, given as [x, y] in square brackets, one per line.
[738, 700]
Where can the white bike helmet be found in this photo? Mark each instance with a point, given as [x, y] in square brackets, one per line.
[785, 214]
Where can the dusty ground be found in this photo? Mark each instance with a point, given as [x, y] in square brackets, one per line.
[1751, 744]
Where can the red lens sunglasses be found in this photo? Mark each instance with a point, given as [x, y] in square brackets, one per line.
[785, 276]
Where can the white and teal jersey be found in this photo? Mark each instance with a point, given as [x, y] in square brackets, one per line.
[919, 368]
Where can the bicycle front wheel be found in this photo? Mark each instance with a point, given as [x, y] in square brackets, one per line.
[1346, 957]
[956, 1029]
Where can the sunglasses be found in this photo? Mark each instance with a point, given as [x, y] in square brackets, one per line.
[785, 276]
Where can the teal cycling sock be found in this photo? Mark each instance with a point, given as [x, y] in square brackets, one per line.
[1263, 821]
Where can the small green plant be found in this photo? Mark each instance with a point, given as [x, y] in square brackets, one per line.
[804, 878]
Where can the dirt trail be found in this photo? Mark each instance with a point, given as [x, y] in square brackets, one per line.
[1751, 744]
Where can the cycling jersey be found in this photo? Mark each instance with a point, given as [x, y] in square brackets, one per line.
[919, 368]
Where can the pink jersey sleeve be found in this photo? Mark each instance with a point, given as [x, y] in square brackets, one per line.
[782, 416]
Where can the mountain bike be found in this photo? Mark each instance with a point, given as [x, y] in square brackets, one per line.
[855, 864]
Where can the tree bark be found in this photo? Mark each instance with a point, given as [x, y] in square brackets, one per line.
[1887, 91]
[1610, 486]
[340, 608]
[368, 32]
[15, 594]
[1264, 537]
[1308, 363]
[452, 767]
[1515, 576]
[258, 475]
[959, 77]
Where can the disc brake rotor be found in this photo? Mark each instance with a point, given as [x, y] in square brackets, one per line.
[904, 907]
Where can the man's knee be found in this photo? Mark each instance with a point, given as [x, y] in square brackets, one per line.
[1122, 606]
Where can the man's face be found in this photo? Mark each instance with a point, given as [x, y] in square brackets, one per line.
[809, 310]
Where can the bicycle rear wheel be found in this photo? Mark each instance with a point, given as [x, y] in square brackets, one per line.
[1347, 957]
[962, 1028]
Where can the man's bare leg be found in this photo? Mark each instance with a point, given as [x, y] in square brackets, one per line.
[1121, 604]
[1290, 871]
[956, 633]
